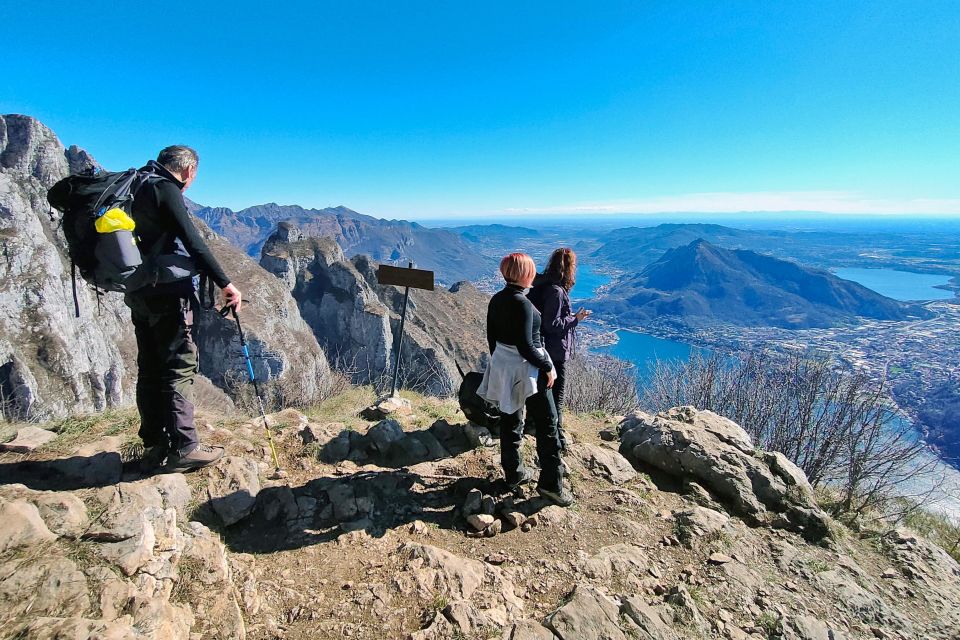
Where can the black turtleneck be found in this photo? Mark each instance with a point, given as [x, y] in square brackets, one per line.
[158, 209]
[514, 321]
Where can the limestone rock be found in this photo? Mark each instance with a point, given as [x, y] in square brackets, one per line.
[528, 630]
[480, 521]
[700, 521]
[49, 585]
[356, 318]
[52, 364]
[717, 453]
[685, 607]
[232, 488]
[589, 615]
[438, 572]
[58, 628]
[28, 439]
[651, 622]
[603, 462]
[21, 525]
[616, 560]
[808, 628]
[64, 513]
[383, 434]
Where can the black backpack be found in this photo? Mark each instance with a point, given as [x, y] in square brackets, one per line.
[98, 227]
[477, 410]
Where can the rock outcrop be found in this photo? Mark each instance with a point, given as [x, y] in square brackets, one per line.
[761, 486]
[50, 362]
[285, 352]
[53, 364]
[356, 319]
[393, 529]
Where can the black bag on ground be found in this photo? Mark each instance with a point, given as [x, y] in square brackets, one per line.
[477, 410]
[98, 227]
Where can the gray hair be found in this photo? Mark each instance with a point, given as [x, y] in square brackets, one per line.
[178, 158]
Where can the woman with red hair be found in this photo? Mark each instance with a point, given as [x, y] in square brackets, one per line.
[520, 375]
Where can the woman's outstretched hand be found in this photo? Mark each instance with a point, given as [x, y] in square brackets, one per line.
[583, 313]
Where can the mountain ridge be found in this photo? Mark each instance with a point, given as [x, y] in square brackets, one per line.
[700, 282]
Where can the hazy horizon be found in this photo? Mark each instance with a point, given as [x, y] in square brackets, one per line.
[471, 111]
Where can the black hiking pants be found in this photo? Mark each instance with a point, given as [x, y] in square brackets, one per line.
[543, 414]
[557, 391]
[166, 366]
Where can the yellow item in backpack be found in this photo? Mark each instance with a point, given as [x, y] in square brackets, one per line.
[115, 219]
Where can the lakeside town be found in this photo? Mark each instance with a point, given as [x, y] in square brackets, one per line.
[917, 358]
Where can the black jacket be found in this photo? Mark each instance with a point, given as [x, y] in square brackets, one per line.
[512, 320]
[162, 217]
[559, 321]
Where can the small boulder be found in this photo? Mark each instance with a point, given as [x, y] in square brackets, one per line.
[480, 521]
[28, 438]
[386, 407]
[232, 488]
[603, 462]
[383, 434]
[471, 504]
[719, 558]
[21, 525]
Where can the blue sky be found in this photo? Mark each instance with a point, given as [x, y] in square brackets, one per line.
[433, 110]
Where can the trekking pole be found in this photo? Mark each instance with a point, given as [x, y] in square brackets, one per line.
[277, 471]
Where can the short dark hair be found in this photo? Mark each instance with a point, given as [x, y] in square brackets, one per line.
[178, 157]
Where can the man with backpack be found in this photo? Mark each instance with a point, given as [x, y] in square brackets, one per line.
[162, 312]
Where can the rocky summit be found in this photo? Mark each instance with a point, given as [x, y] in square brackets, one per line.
[53, 364]
[358, 319]
[399, 527]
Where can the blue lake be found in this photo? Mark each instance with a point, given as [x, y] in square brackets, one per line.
[644, 350]
[587, 282]
[899, 285]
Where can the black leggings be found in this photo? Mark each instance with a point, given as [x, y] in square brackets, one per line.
[543, 413]
[558, 389]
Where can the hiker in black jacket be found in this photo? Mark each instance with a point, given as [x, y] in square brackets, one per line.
[520, 375]
[163, 311]
[551, 296]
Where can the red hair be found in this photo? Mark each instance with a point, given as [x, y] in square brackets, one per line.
[518, 267]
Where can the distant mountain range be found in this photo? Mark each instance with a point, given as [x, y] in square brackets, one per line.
[445, 252]
[701, 283]
[632, 248]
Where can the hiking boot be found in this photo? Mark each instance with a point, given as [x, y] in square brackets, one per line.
[524, 476]
[562, 497]
[203, 456]
[153, 457]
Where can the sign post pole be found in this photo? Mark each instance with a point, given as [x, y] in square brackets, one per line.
[403, 320]
[406, 278]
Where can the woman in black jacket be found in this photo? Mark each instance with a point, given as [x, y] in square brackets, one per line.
[551, 296]
[514, 324]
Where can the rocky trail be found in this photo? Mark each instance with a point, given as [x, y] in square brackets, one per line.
[393, 523]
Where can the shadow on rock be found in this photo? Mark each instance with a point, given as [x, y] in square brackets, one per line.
[371, 501]
[386, 444]
[99, 469]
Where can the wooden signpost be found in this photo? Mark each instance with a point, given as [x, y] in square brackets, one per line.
[406, 278]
